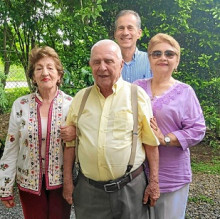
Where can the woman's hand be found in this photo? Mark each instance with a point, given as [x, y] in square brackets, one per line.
[173, 139]
[156, 130]
[68, 133]
[8, 203]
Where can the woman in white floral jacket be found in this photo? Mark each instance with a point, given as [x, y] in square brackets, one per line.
[33, 154]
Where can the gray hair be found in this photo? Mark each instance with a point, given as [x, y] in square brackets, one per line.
[125, 12]
[108, 42]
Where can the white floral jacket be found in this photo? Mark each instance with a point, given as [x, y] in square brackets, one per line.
[22, 158]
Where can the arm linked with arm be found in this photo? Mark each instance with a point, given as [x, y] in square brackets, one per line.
[150, 144]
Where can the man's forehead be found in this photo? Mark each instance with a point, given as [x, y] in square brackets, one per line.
[102, 50]
[103, 55]
[127, 18]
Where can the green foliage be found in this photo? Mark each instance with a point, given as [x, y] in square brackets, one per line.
[72, 84]
[84, 32]
[71, 27]
[16, 73]
[208, 168]
[195, 25]
[12, 94]
[200, 198]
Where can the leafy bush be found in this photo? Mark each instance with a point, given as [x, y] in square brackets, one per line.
[12, 94]
[72, 83]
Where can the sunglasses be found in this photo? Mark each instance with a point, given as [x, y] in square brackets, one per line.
[169, 54]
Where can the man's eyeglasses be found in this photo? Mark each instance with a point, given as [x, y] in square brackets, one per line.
[169, 54]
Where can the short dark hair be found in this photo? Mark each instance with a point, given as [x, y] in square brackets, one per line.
[125, 12]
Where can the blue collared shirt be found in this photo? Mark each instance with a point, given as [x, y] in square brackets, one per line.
[137, 68]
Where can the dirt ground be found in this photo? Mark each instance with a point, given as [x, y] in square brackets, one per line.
[4, 118]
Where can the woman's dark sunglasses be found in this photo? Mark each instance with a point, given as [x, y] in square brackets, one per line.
[168, 54]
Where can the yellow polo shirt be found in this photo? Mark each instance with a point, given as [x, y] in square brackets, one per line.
[106, 126]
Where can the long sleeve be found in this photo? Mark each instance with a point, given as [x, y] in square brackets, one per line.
[10, 155]
[193, 123]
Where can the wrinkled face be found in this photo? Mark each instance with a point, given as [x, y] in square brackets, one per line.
[46, 74]
[164, 59]
[106, 66]
[127, 33]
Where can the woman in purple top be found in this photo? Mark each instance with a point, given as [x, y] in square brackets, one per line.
[178, 123]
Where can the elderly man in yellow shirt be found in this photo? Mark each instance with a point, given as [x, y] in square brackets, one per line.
[104, 189]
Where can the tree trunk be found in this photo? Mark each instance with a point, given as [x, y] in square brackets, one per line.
[6, 56]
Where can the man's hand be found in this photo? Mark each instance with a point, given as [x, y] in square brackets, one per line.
[9, 203]
[151, 193]
[68, 161]
[68, 188]
[68, 133]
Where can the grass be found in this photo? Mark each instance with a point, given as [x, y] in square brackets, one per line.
[200, 198]
[16, 72]
[212, 167]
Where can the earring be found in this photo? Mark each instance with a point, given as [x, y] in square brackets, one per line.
[175, 71]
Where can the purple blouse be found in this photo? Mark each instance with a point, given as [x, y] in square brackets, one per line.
[177, 111]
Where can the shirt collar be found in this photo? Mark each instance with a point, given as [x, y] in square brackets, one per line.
[116, 87]
[39, 98]
[135, 54]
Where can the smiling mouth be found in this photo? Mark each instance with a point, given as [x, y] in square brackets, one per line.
[45, 79]
[103, 76]
[163, 64]
[125, 39]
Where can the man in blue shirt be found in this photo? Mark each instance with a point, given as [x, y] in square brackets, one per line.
[127, 32]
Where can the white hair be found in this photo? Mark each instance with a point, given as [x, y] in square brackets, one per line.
[108, 42]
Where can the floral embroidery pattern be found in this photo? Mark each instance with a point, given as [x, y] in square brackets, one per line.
[11, 138]
[28, 167]
[24, 100]
[34, 146]
[4, 166]
[165, 99]
[7, 180]
[25, 172]
[19, 114]
[26, 143]
[68, 98]
[55, 143]
[168, 97]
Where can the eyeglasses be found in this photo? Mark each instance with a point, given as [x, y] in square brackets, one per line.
[169, 54]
